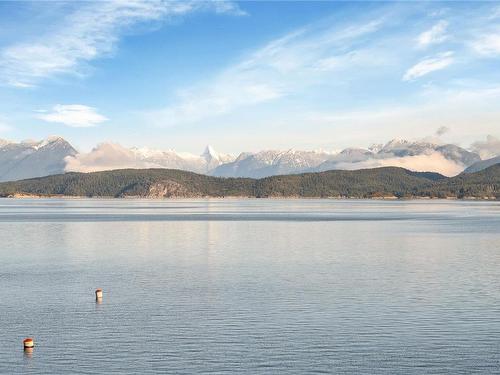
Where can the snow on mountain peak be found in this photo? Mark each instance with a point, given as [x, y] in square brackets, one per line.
[214, 158]
[263, 163]
[402, 147]
[49, 140]
[210, 154]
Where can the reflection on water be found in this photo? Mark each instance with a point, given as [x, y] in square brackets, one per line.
[250, 286]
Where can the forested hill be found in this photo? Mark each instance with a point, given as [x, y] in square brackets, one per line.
[169, 183]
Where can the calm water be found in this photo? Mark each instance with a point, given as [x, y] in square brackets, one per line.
[250, 286]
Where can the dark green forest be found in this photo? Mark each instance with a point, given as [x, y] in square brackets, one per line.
[169, 183]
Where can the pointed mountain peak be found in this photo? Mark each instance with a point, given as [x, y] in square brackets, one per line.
[210, 153]
[51, 140]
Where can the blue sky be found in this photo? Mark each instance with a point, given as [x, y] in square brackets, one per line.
[249, 75]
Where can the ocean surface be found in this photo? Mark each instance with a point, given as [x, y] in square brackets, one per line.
[250, 286]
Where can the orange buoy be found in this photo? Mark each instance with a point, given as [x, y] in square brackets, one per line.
[98, 294]
[28, 344]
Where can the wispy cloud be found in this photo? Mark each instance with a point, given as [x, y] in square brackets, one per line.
[429, 65]
[487, 45]
[495, 13]
[73, 115]
[88, 32]
[436, 34]
[228, 7]
[278, 69]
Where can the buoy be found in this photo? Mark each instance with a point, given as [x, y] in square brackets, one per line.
[28, 344]
[98, 294]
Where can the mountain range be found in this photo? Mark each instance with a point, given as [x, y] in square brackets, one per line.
[33, 158]
[55, 155]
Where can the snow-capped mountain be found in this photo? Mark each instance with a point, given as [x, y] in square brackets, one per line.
[33, 159]
[55, 155]
[402, 148]
[203, 163]
[418, 155]
[213, 159]
[347, 156]
[448, 159]
[269, 163]
[458, 154]
[106, 156]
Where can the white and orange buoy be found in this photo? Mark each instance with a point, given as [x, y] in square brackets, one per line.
[28, 344]
[98, 294]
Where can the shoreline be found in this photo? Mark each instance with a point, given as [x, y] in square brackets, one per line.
[229, 198]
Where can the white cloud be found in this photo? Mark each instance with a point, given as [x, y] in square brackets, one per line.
[487, 45]
[432, 162]
[436, 34]
[487, 149]
[87, 33]
[429, 65]
[105, 156]
[74, 115]
[108, 156]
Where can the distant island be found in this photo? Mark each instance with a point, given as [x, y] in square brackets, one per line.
[377, 183]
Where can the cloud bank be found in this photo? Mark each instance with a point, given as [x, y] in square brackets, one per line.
[105, 156]
[433, 162]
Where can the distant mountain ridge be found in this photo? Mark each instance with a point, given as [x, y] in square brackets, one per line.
[55, 155]
[33, 158]
[270, 163]
[482, 164]
[387, 182]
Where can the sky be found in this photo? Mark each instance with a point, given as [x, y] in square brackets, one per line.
[247, 76]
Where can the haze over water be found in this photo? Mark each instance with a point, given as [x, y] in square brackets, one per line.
[250, 286]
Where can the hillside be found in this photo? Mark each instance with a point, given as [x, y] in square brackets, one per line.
[482, 184]
[169, 183]
[166, 183]
[130, 182]
[482, 164]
